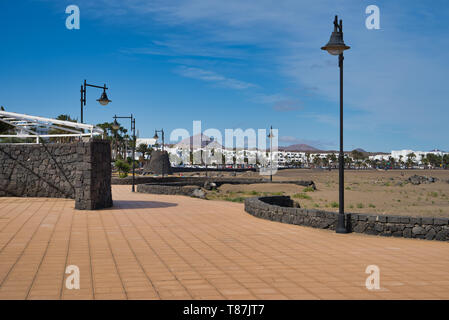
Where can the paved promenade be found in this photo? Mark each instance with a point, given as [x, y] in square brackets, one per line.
[174, 247]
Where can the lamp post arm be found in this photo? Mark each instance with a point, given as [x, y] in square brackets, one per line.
[83, 94]
[94, 86]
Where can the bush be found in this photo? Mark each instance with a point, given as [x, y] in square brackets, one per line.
[123, 175]
[334, 204]
[237, 199]
[302, 196]
[433, 194]
[308, 189]
[122, 167]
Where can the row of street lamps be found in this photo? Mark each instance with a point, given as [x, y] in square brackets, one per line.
[335, 46]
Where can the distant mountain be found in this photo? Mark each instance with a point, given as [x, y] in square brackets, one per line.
[360, 150]
[299, 147]
[199, 140]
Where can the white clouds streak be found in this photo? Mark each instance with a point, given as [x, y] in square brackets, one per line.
[210, 76]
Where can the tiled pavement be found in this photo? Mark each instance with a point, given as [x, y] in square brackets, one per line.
[173, 247]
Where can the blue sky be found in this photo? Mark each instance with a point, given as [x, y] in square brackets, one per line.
[236, 64]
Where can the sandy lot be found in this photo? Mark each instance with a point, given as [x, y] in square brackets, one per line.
[366, 191]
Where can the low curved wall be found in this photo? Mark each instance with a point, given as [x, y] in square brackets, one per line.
[170, 189]
[278, 208]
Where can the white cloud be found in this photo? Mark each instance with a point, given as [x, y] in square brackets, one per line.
[210, 76]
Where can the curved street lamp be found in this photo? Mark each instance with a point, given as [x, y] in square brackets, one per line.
[336, 46]
[103, 100]
[116, 126]
[271, 136]
[156, 137]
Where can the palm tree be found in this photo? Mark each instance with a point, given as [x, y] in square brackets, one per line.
[142, 149]
[410, 159]
[348, 161]
[400, 160]
[64, 117]
[308, 158]
[316, 160]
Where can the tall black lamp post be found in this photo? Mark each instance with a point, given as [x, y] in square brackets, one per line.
[335, 47]
[103, 99]
[163, 143]
[116, 126]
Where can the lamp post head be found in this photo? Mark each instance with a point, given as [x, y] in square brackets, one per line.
[104, 98]
[115, 125]
[271, 135]
[155, 136]
[336, 45]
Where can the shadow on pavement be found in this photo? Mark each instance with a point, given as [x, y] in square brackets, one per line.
[129, 204]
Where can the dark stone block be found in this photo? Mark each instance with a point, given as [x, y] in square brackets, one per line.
[397, 234]
[431, 234]
[379, 227]
[427, 220]
[363, 217]
[407, 232]
[393, 219]
[441, 221]
[418, 230]
[442, 235]
[360, 227]
[404, 220]
[415, 220]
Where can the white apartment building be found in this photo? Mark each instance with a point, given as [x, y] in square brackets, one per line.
[403, 155]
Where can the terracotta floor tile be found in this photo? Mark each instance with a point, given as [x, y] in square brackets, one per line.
[173, 247]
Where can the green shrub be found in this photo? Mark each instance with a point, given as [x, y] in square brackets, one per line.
[308, 189]
[237, 199]
[122, 167]
[123, 175]
[360, 205]
[334, 204]
[371, 205]
[302, 196]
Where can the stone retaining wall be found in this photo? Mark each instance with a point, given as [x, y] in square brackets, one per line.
[182, 190]
[80, 171]
[279, 208]
[199, 181]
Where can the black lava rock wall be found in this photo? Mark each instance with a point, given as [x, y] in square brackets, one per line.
[279, 208]
[80, 171]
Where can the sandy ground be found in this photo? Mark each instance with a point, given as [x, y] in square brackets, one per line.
[366, 191]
